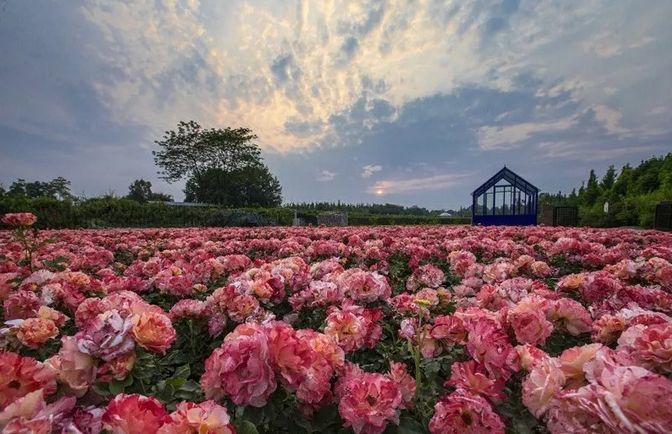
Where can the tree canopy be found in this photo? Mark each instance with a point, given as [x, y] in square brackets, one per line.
[632, 194]
[57, 188]
[221, 166]
[245, 187]
[141, 191]
[191, 150]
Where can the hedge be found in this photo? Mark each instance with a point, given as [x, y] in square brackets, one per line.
[114, 212]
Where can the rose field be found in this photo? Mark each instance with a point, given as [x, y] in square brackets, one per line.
[335, 330]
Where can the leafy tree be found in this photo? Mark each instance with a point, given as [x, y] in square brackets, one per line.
[60, 188]
[608, 179]
[191, 150]
[632, 194]
[246, 187]
[141, 191]
[57, 188]
[17, 188]
[222, 166]
[592, 190]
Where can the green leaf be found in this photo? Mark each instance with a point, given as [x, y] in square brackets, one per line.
[182, 372]
[176, 382]
[407, 425]
[191, 386]
[101, 389]
[246, 427]
[116, 387]
[325, 417]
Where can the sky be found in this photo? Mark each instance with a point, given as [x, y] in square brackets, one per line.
[399, 101]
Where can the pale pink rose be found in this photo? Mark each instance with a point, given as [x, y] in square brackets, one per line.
[573, 360]
[619, 399]
[650, 345]
[425, 276]
[75, 369]
[190, 418]
[608, 328]
[570, 315]
[528, 320]
[529, 355]
[541, 385]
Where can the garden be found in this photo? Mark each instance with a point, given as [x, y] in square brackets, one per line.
[395, 329]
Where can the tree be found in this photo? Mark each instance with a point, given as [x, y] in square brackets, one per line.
[222, 166]
[246, 187]
[191, 150]
[57, 188]
[17, 188]
[141, 191]
[608, 179]
[592, 191]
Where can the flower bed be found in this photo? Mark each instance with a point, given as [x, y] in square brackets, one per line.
[334, 330]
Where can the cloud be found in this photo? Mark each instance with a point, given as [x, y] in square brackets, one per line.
[563, 150]
[392, 186]
[331, 84]
[326, 176]
[511, 136]
[370, 169]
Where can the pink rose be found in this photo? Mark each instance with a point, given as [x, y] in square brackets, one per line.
[464, 412]
[541, 385]
[20, 219]
[368, 402]
[190, 418]
[153, 331]
[73, 368]
[240, 368]
[134, 414]
[106, 336]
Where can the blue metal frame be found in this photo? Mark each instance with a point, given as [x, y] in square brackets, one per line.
[522, 209]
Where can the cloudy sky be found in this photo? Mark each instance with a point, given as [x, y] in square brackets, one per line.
[412, 102]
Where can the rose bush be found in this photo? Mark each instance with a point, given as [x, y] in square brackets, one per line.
[334, 330]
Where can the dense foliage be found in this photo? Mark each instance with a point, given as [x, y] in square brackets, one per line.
[106, 212]
[385, 209]
[221, 166]
[632, 194]
[335, 330]
[245, 187]
[57, 188]
[141, 191]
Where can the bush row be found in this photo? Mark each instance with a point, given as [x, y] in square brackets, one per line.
[114, 212]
